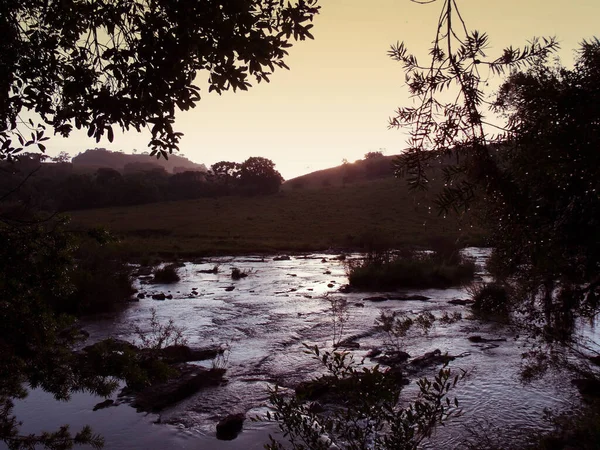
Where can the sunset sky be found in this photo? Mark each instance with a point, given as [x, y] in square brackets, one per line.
[335, 101]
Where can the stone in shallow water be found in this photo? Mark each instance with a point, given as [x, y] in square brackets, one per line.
[375, 299]
[104, 404]
[190, 380]
[229, 427]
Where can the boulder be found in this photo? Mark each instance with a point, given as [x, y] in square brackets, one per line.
[229, 427]
[282, 258]
[104, 404]
[458, 301]
[230, 288]
[417, 297]
[347, 344]
[377, 298]
[373, 352]
[595, 360]
[174, 354]
[589, 388]
[160, 296]
[346, 289]
[141, 295]
[479, 339]
[190, 380]
[431, 358]
[393, 358]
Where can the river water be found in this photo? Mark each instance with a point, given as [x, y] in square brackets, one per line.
[264, 321]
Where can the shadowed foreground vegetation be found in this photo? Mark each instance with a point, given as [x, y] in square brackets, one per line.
[349, 217]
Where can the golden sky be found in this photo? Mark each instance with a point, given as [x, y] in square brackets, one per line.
[335, 101]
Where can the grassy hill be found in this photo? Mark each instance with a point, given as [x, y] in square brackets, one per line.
[362, 170]
[353, 216]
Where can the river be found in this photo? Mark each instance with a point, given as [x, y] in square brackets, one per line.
[264, 321]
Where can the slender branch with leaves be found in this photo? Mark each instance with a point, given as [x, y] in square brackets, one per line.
[449, 116]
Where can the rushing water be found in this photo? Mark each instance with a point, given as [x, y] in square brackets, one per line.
[264, 321]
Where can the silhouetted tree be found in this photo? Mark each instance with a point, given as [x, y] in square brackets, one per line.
[258, 176]
[374, 155]
[536, 178]
[225, 176]
[131, 63]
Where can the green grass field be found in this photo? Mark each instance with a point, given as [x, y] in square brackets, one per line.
[342, 217]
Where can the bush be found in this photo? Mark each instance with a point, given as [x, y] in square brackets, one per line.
[366, 412]
[237, 274]
[166, 275]
[490, 298]
[388, 270]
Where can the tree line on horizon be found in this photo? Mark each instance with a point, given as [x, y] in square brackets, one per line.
[60, 186]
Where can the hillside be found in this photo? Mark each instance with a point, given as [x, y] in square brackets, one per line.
[376, 167]
[354, 216]
[101, 158]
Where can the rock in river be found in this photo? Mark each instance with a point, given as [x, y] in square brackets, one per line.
[377, 298]
[229, 427]
[190, 380]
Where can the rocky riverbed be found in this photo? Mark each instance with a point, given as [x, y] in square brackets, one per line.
[262, 320]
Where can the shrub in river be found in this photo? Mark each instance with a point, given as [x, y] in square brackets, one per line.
[396, 326]
[366, 412]
[237, 274]
[339, 317]
[490, 298]
[158, 335]
[409, 269]
[166, 275]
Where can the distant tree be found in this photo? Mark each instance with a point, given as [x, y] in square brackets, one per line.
[258, 176]
[62, 157]
[107, 176]
[139, 166]
[226, 169]
[374, 155]
[225, 176]
[131, 63]
[188, 185]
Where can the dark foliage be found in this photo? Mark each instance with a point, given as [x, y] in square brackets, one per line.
[491, 299]
[364, 408]
[132, 63]
[383, 270]
[536, 182]
[35, 339]
[166, 275]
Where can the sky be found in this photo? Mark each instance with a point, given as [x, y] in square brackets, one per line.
[336, 100]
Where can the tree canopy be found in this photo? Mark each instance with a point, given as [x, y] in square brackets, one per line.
[535, 177]
[96, 65]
